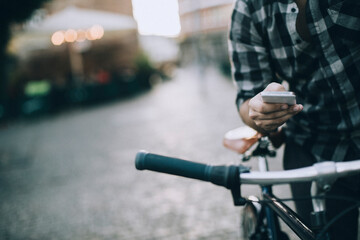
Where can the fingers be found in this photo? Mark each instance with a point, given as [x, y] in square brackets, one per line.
[274, 113]
[270, 116]
[268, 108]
[274, 87]
[257, 105]
[272, 121]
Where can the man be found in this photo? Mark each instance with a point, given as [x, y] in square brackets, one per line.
[315, 46]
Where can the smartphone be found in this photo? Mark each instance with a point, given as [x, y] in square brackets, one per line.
[279, 97]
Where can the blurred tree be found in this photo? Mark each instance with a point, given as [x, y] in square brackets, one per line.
[12, 11]
[144, 70]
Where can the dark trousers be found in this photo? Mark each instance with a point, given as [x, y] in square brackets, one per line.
[347, 226]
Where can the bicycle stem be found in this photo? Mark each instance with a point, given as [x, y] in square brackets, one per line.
[319, 188]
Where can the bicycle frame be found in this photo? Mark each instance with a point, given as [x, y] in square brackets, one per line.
[274, 207]
[288, 216]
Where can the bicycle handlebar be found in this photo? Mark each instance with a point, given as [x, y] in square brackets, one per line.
[232, 176]
[175, 166]
[220, 175]
[318, 171]
[226, 176]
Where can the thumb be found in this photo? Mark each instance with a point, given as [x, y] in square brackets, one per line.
[275, 87]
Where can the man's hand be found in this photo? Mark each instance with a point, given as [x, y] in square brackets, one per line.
[269, 116]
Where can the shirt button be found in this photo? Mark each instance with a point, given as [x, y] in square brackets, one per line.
[293, 10]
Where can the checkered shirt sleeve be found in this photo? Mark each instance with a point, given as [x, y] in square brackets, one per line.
[249, 57]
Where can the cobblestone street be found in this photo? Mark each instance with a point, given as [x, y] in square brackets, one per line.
[72, 175]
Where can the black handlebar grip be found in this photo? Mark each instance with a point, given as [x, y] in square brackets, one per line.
[175, 166]
[226, 176]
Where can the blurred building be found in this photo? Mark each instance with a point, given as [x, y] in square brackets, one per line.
[80, 50]
[118, 6]
[115, 50]
[204, 30]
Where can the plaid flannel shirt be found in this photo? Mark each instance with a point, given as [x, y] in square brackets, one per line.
[324, 73]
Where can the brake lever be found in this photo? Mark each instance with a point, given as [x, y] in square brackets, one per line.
[235, 186]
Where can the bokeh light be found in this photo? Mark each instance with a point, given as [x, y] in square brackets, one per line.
[58, 38]
[70, 35]
[97, 31]
[81, 35]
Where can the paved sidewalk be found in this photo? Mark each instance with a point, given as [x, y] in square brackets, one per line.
[72, 176]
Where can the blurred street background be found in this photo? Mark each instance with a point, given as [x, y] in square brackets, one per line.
[85, 85]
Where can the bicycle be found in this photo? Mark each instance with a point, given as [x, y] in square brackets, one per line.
[260, 216]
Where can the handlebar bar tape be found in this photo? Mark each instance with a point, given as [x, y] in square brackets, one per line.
[226, 176]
